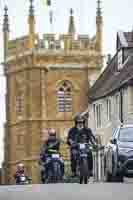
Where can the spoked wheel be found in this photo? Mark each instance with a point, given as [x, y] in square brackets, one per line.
[108, 176]
[84, 172]
[85, 180]
[118, 178]
[57, 176]
[81, 179]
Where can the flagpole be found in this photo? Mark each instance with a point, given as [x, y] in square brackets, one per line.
[2, 4]
[80, 16]
[49, 4]
[51, 20]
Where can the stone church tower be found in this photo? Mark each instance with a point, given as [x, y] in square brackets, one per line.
[47, 82]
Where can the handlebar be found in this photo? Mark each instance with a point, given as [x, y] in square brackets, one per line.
[52, 150]
[87, 144]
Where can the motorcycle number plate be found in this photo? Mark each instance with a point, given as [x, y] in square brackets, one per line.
[23, 178]
[84, 155]
[82, 146]
[55, 156]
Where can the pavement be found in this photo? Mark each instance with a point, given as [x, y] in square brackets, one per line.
[75, 191]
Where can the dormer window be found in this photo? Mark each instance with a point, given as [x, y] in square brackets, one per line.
[120, 59]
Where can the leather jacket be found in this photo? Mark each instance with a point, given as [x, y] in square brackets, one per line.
[85, 134]
[49, 145]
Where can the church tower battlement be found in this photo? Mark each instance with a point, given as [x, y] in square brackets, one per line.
[71, 43]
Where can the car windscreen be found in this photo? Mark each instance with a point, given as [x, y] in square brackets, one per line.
[126, 134]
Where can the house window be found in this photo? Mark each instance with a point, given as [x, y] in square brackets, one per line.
[97, 115]
[117, 103]
[120, 59]
[108, 109]
[64, 96]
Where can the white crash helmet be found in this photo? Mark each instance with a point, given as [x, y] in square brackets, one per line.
[20, 166]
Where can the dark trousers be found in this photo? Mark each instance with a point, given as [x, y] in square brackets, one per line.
[90, 161]
[43, 176]
[73, 166]
[74, 155]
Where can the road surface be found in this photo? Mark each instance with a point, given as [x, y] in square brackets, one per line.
[92, 191]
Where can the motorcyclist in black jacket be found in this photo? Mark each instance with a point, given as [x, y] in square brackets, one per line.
[52, 143]
[75, 135]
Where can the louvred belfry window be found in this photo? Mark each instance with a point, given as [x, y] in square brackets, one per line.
[19, 103]
[64, 96]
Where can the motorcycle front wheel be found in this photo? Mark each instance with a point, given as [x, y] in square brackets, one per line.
[84, 171]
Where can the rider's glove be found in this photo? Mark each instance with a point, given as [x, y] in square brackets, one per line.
[95, 146]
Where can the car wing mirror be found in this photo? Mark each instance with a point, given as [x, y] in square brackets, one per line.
[113, 141]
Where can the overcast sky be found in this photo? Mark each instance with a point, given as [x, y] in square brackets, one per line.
[117, 15]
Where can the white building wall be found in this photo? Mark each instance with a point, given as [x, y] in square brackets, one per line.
[107, 128]
[126, 107]
[129, 107]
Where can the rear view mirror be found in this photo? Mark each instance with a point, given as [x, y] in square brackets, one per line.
[113, 141]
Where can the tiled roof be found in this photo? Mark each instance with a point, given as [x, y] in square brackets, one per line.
[129, 38]
[112, 79]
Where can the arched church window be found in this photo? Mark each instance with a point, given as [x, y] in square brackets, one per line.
[64, 96]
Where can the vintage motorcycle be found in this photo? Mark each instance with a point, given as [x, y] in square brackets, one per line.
[81, 153]
[54, 167]
[24, 180]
